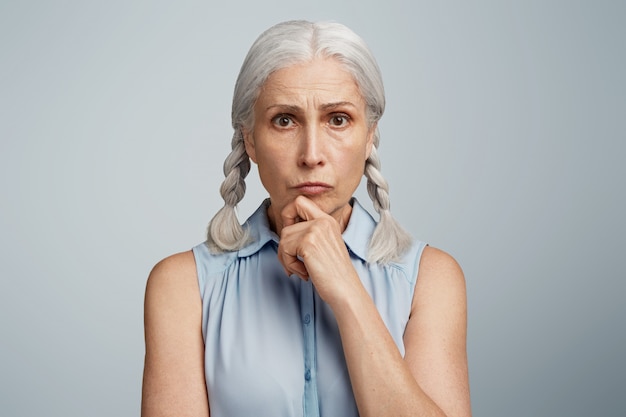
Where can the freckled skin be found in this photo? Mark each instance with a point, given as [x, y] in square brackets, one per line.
[310, 127]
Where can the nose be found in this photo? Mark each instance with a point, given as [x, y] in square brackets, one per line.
[311, 147]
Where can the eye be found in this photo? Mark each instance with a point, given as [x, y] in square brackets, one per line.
[339, 120]
[282, 120]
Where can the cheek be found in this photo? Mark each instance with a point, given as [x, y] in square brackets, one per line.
[352, 168]
[267, 159]
[271, 165]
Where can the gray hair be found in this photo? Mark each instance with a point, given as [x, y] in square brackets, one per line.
[280, 46]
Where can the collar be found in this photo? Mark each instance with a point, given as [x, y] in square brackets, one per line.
[356, 236]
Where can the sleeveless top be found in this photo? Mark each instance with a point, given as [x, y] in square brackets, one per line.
[272, 345]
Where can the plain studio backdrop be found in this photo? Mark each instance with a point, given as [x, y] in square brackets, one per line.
[503, 142]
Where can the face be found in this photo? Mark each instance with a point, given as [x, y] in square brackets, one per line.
[310, 137]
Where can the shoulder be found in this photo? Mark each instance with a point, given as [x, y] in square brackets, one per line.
[437, 262]
[172, 281]
[440, 281]
[209, 262]
[183, 261]
[176, 268]
[172, 306]
[173, 380]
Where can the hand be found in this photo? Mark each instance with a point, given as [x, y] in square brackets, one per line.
[311, 246]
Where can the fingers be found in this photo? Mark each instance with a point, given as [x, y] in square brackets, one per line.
[311, 247]
[300, 209]
[293, 265]
[291, 250]
[309, 239]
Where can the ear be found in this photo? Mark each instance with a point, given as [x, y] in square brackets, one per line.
[248, 141]
[370, 140]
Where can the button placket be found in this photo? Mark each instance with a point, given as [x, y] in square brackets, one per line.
[307, 314]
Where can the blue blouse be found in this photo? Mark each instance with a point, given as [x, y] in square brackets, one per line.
[272, 345]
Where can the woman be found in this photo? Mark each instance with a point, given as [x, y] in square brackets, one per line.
[311, 308]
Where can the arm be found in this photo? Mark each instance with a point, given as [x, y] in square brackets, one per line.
[435, 337]
[173, 381]
[431, 380]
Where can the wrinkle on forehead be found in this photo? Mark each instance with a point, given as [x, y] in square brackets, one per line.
[322, 82]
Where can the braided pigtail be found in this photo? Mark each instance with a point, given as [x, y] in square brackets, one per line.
[389, 240]
[225, 233]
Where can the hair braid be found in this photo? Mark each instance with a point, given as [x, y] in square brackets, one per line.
[389, 240]
[225, 233]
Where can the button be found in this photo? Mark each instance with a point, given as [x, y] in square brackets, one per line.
[307, 318]
[307, 375]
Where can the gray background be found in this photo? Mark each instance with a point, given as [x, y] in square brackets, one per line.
[503, 143]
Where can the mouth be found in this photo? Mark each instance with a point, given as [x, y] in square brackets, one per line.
[312, 188]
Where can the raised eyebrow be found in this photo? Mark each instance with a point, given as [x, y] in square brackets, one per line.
[290, 108]
[286, 108]
[332, 106]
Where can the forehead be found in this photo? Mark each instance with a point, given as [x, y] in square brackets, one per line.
[321, 79]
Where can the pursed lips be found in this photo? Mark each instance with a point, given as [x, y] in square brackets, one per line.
[312, 187]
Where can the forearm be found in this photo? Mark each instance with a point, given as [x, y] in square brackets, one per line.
[431, 378]
[381, 380]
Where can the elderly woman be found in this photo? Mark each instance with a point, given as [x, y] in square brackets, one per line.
[311, 308]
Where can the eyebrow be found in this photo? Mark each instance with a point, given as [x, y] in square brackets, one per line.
[295, 109]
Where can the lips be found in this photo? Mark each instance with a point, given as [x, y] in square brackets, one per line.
[312, 188]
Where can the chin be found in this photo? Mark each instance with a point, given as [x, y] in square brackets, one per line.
[330, 206]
